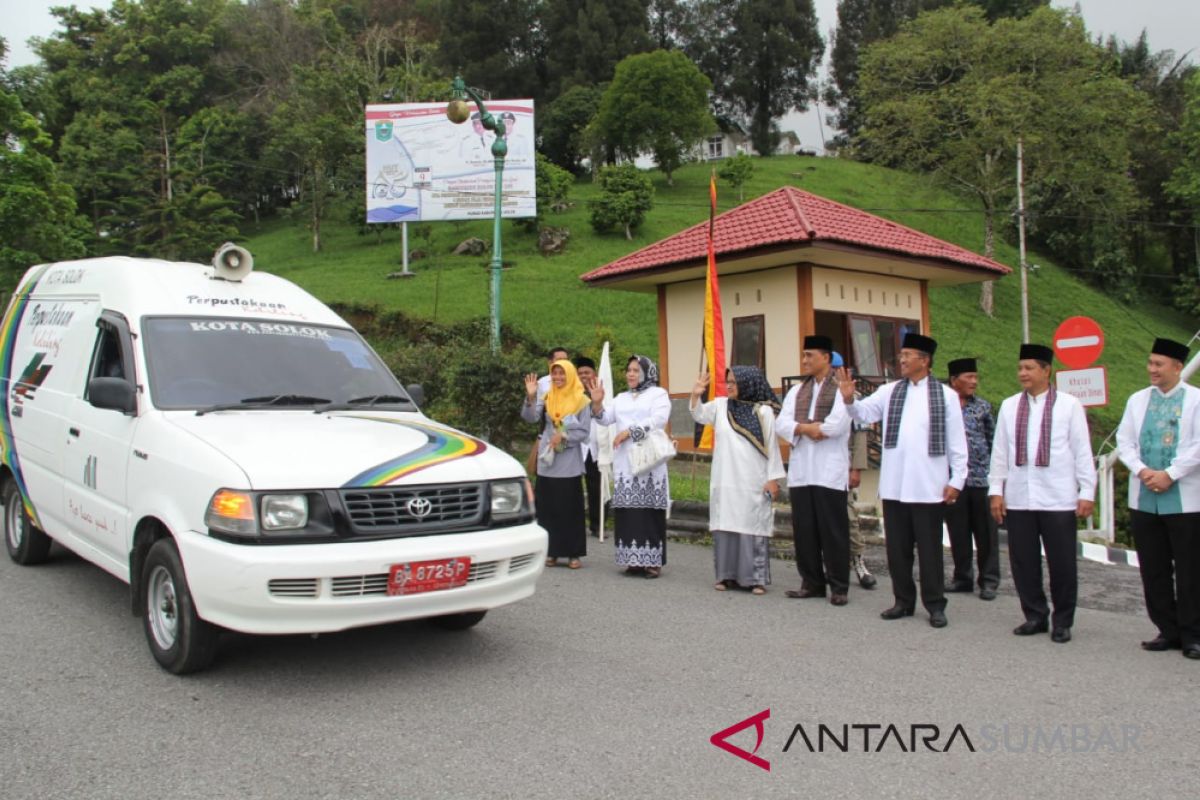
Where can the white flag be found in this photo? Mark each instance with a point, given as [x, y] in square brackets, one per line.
[604, 436]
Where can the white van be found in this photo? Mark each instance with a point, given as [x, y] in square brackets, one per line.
[228, 446]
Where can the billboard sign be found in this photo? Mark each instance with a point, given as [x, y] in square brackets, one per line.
[421, 167]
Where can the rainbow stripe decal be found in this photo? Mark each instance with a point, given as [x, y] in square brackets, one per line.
[443, 446]
[8, 343]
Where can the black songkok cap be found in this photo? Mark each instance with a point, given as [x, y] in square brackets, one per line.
[915, 341]
[1038, 352]
[818, 343]
[583, 361]
[1170, 349]
[960, 365]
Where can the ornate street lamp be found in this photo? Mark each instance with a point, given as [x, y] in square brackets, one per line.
[458, 111]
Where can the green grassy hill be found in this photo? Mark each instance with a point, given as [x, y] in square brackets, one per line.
[544, 297]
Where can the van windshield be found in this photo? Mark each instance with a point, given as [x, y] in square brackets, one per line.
[207, 362]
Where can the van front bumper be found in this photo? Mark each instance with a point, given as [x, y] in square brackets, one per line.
[321, 588]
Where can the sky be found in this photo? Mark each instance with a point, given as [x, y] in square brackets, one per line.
[1171, 25]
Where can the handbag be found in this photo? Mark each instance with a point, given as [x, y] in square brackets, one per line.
[546, 456]
[654, 449]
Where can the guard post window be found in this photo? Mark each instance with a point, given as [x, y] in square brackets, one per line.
[749, 342]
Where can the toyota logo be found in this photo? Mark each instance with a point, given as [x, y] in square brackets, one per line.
[419, 507]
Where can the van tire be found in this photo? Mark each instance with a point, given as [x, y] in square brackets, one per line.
[180, 641]
[26, 545]
[459, 622]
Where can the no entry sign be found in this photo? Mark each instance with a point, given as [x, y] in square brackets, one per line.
[1078, 342]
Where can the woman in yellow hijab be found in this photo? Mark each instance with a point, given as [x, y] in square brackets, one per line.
[566, 396]
[566, 421]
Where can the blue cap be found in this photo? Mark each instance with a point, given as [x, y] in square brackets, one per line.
[835, 360]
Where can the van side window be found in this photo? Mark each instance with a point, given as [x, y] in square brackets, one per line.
[106, 360]
[112, 355]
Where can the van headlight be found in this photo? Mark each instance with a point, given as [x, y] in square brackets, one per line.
[284, 512]
[511, 500]
[269, 516]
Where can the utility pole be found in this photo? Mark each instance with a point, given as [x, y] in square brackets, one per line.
[1021, 234]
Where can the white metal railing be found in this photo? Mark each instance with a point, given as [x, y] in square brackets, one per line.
[1105, 527]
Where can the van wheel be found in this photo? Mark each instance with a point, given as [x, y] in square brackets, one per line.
[180, 641]
[25, 543]
[460, 622]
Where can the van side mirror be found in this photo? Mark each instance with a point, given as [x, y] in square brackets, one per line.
[417, 392]
[113, 393]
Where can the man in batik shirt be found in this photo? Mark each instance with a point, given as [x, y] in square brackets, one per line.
[970, 519]
[1159, 440]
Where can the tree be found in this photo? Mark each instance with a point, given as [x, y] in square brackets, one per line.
[761, 66]
[125, 83]
[666, 18]
[563, 124]
[626, 194]
[736, 171]
[1168, 246]
[38, 222]
[657, 103]
[1185, 180]
[315, 135]
[586, 39]
[861, 22]
[494, 44]
[1184, 183]
[951, 95]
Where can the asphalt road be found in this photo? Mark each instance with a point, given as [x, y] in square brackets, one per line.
[601, 686]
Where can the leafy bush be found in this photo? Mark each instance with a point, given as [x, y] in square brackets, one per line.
[465, 385]
[553, 188]
[736, 171]
[626, 195]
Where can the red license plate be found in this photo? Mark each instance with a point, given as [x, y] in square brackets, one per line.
[416, 577]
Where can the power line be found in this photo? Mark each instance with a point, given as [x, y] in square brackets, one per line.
[702, 207]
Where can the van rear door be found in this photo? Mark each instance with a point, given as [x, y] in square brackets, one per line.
[49, 350]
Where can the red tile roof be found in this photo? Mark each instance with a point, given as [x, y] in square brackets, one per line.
[789, 216]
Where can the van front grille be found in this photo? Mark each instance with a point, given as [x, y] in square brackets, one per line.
[415, 509]
[519, 563]
[293, 587]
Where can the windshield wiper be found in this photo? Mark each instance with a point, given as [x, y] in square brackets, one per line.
[265, 402]
[364, 402]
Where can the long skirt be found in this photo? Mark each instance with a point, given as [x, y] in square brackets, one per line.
[742, 558]
[560, 512]
[641, 535]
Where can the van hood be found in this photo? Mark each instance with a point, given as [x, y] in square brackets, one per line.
[305, 450]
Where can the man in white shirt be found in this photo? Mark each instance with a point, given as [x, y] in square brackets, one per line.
[1041, 478]
[813, 420]
[1159, 440]
[924, 466]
